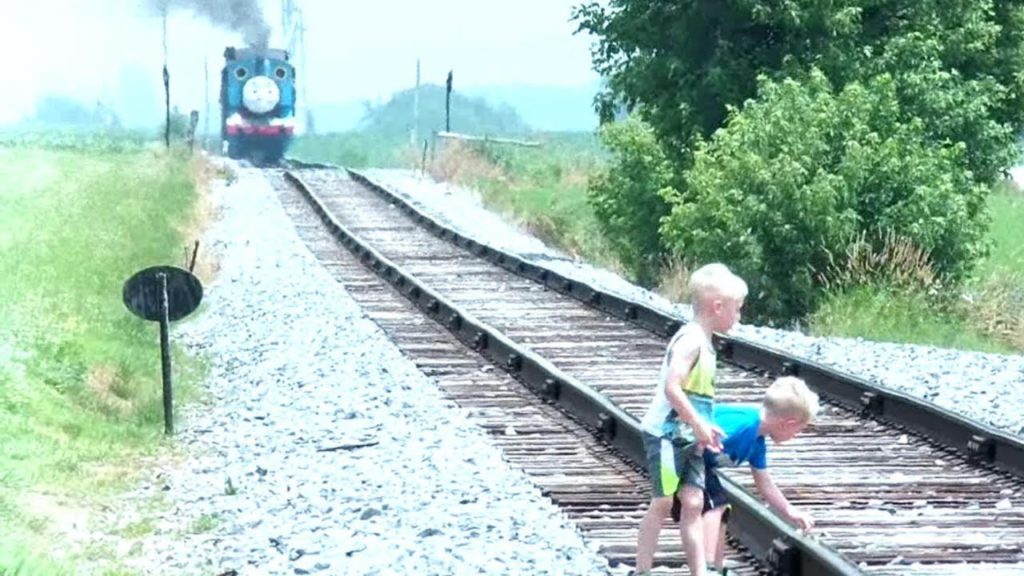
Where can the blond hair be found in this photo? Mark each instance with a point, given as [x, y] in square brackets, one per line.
[713, 280]
[789, 397]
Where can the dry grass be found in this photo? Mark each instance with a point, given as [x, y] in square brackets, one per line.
[674, 281]
[106, 385]
[459, 163]
[888, 259]
[203, 172]
[996, 308]
[577, 176]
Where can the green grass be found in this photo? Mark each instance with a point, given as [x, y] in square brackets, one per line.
[204, 523]
[79, 375]
[879, 314]
[545, 189]
[991, 321]
[1006, 233]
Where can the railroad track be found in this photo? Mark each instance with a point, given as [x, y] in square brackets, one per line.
[896, 488]
[599, 490]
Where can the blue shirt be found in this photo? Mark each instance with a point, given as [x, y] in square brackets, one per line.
[742, 442]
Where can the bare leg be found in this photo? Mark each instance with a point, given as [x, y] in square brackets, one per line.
[650, 528]
[720, 548]
[714, 537]
[712, 522]
[691, 528]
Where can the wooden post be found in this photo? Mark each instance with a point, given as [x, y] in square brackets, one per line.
[423, 162]
[447, 105]
[206, 92]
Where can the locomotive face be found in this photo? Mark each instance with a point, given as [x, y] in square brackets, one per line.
[257, 104]
[260, 94]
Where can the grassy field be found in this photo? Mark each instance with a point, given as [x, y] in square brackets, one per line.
[79, 375]
[544, 189]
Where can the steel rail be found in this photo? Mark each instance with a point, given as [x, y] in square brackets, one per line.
[982, 444]
[765, 536]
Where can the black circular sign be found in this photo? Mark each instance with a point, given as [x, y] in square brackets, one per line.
[143, 293]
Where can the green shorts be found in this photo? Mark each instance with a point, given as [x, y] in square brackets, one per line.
[672, 464]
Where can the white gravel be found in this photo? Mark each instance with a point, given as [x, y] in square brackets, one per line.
[985, 387]
[295, 367]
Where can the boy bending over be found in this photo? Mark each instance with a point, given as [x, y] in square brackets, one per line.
[788, 407]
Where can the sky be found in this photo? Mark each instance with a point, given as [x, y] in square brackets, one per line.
[355, 50]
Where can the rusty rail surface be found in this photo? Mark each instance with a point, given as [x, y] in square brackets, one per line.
[895, 478]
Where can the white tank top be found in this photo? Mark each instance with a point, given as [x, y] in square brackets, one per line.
[661, 418]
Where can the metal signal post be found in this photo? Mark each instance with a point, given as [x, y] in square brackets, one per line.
[447, 105]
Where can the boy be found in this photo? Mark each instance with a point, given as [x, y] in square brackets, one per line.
[788, 407]
[677, 426]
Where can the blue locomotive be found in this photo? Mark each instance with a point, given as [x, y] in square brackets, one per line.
[257, 100]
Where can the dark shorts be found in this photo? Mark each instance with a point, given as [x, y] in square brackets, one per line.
[714, 497]
[714, 494]
[672, 464]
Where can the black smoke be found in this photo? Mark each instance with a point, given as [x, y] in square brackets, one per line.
[242, 16]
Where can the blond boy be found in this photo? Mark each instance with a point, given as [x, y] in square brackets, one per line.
[788, 407]
[678, 424]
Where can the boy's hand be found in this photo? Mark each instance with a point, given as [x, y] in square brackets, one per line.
[709, 437]
[803, 520]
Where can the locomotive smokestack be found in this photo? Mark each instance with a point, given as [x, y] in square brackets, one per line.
[243, 16]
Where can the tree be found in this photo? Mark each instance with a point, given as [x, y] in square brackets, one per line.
[797, 175]
[957, 65]
[62, 110]
[627, 197]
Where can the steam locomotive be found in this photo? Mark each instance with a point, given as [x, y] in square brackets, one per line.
[257, 100]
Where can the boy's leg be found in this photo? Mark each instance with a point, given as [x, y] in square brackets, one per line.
[662, 463]
[712, 520]
[715, 508]
[720, 550]
[691, 527]
[650, 529]
[691, 500]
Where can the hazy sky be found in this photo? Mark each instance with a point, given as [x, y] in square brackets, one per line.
[363, 49]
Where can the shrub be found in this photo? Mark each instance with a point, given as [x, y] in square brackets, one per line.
[800, 173]
[628, 196]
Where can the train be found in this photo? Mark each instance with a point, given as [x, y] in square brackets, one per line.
[257, 101]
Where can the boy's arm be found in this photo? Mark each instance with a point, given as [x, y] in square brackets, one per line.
[771, 493]
[684, 355]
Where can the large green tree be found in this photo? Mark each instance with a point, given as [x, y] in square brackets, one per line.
[875, 117]
[958, 65]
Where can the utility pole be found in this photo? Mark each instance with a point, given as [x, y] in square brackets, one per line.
[206, 94]
[304, 84]
[167, 89]
[294, 27]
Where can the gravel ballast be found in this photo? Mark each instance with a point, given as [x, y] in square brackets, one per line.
[321, 448]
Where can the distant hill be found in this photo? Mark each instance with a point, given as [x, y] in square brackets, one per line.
[496, 109]
[473, 115]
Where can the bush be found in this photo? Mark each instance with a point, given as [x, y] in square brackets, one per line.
[799, 174]
[628, 197]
